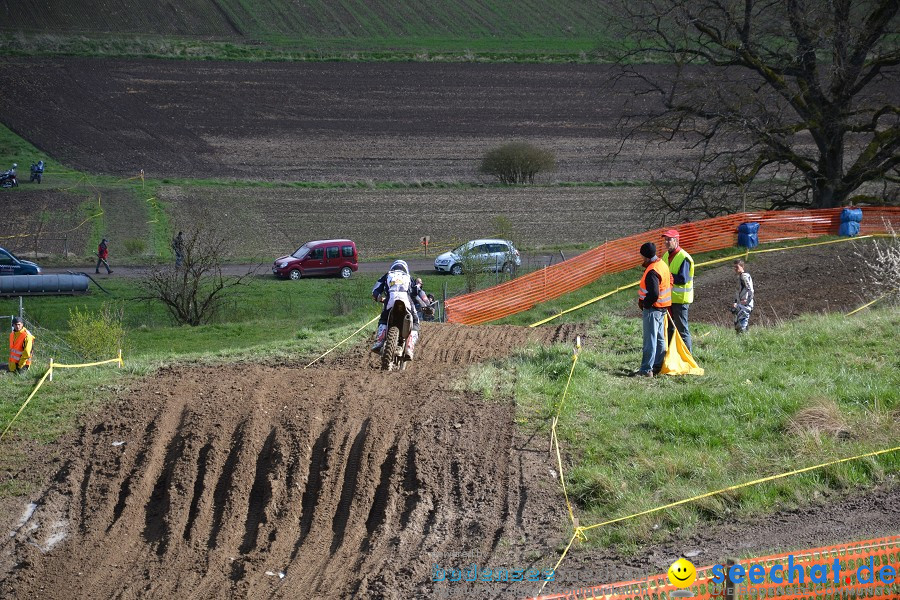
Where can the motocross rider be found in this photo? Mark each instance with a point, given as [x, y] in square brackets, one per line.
[391, 285]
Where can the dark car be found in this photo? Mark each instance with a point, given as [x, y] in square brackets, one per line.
[321, 257]
[10, 264]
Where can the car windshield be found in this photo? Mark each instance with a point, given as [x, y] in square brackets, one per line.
[301, 252]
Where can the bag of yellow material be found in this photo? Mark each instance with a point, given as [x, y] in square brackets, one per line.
[678, 359]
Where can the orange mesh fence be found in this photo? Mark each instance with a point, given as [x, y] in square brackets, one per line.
[867, 569]
[615, 256]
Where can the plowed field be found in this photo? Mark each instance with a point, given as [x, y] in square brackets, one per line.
[318, 121]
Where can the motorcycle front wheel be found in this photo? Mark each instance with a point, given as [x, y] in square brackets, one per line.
[390, 349]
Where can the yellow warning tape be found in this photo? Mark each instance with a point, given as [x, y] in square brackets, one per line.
[741, 485]
[436, 247]
[554, 440]
[342, 341]
[92, 364]
[48, 233]
[702, 264]
[49, 373]
[868, 304]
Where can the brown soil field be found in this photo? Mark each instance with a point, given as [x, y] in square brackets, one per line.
[41, 218]
[319, 121]
[268, 223]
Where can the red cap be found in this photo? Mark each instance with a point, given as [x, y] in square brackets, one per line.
[670, 233]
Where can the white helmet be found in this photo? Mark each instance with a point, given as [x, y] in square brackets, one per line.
[400, 265]
[15, 165]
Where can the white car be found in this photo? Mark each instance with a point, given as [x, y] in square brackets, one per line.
[494, 255]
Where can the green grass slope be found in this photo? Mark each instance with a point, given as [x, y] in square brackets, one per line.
[273, 28]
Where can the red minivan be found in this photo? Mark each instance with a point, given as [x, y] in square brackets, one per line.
[322, 257]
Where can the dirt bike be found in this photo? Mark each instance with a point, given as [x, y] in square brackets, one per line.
[400, 340]
[37, 171]
[8, 179]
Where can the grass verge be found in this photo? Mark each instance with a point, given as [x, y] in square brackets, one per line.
[632, 444]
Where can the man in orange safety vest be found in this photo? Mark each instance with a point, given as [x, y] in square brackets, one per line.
[654, 299]
[21, 344]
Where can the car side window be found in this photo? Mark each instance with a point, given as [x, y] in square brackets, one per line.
[317, 253]
[347, 251]
[482, 249]
[502, 248]
[333, 252]
[5, 259]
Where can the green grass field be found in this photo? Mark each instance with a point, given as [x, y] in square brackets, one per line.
[342, 30]
[631, 445]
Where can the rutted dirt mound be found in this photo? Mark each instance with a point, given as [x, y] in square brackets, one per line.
[259, 482]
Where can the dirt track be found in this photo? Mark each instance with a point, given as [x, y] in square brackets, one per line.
[344, 479]
[336, 481]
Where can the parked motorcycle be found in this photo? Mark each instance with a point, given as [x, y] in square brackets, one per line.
[37, 171]
[8, 179]
[401, 338]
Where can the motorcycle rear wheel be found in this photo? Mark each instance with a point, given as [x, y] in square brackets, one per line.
[390, 349]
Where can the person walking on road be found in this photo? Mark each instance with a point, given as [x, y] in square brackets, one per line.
[102, 255]
[178, 249]
[21, 345]
[681, 266]
[654, 299]
[743, 300]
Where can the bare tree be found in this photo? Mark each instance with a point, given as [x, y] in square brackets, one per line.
[781, 103]
[193, 291]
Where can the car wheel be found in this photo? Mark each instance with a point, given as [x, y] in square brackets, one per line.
[295, 274]
[456, 269]
[506, 268]
[346, 272]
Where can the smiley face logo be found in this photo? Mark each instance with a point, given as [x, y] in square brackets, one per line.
[682, 573]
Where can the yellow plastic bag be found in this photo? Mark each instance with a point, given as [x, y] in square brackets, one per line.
[678, 359]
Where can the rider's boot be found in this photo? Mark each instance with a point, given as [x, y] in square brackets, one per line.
[379, 338]
[411, 344]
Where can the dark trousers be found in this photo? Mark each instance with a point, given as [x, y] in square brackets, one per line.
[679, 315]
[104, 263]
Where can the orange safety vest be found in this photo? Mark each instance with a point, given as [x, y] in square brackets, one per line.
[17, 346]
[665, 284]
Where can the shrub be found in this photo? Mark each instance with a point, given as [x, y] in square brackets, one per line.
[517, 162]
[134, 246]
[97, 336]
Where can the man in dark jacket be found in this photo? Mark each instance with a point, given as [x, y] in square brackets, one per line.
[102, 255]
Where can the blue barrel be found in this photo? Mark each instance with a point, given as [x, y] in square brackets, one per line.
[850, 220]
[43, 285]
[748, 235]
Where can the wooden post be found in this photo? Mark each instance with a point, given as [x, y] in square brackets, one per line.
[730, 587]
[51, 369]
[444, 305]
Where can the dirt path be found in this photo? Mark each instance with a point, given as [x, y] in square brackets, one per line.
[342, 478]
